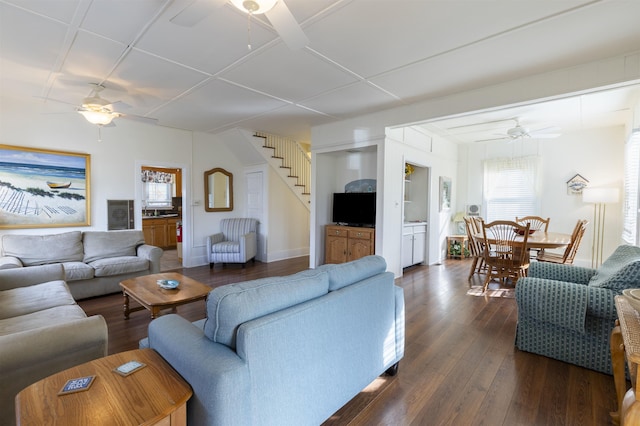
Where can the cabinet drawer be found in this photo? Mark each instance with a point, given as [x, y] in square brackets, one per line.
[360, 235]
[336, 231]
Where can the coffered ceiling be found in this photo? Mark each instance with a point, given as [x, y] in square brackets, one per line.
[363, 56]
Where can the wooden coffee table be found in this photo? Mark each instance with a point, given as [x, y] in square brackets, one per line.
[155, 394]
[147, 293]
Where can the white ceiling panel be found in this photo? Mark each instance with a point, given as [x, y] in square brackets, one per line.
[363, 56]
[352, 100]
[384, 35]
[211, 45]
[214, 105]
[307, 75]
[133, 16]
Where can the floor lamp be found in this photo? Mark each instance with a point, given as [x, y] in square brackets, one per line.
[599, 197]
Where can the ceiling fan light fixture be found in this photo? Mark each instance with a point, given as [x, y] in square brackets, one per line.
[254, 7]
[101, 118]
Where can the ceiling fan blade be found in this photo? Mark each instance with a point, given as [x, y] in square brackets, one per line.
[139, 118]
[545, 133]
[287, 26]
[195, 12]
[503, 138]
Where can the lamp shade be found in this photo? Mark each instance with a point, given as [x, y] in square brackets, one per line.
[98, 117]
[600, 195]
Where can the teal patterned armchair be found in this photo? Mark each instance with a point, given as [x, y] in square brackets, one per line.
[567, 312]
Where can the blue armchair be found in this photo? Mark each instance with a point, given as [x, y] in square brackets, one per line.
[235, 243]
[567, 312]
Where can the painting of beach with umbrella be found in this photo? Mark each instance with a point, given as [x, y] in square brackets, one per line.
[43, 188]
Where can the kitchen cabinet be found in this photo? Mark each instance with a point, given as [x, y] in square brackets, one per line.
[160, 232]
[414, 239]
[347, 243]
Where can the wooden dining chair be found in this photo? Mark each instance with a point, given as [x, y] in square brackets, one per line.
[570, 251]
[505, 250]
[537, 223]
[475, 247]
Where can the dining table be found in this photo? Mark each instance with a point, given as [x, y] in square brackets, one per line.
[540, 239]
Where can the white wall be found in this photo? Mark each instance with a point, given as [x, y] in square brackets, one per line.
[596, 154]
[622, 69]
[115, 165]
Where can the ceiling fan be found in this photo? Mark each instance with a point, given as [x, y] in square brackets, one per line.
[276, 11]
[521, 132]
[100, 111]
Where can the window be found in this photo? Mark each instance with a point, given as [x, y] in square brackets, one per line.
[158, 188]
[511, 187]
[631, 176]
[158, 194]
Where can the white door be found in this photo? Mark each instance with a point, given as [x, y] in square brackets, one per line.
[255, 208]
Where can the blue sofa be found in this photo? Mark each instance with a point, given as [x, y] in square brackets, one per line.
[567, 312]
[286, 350]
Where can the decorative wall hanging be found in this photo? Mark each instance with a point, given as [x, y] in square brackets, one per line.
[361, 185]
[576, 184]
[42, 188]
[445, 193]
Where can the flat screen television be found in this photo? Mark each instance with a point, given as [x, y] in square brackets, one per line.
[354, 208]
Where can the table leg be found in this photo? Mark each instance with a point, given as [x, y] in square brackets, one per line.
[617, 359]
[155, 312]
[126, 305]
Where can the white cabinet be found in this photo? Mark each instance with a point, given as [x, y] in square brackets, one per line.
[414, 239]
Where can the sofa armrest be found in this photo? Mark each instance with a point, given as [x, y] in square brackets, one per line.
[560, 272]
[399, 293]
[248, 245]
[29, 356]
[10, 262]
[561, 303]
[219, 378]
[152, 254]
[24, 277]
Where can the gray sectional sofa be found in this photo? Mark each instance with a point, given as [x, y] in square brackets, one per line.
[286, 350]
[42, 331]
[94, 261]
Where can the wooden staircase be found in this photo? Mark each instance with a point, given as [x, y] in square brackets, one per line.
[291, 162]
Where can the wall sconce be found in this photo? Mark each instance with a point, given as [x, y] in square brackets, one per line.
[599, 197]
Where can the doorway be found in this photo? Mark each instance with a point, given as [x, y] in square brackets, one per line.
[160, 217]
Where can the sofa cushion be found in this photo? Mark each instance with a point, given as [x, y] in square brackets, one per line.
[231, 305]
[620, 271]
[226, 247]
[105, 244]
[118, 265]
[75, 271]
[42, 249]
[10, 262]
[344, 274]
[44, 318]
[25, 300]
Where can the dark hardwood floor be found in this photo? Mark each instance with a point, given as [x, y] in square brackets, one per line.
[460, 365]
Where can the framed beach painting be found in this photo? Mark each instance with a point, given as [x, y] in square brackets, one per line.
[42, 188]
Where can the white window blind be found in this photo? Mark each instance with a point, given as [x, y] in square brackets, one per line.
[631, 176]
[511, 187]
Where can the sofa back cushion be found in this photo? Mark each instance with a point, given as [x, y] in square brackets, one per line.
[105, 244]
[620, 271]
[344, 274]
[234, 228]
[231, 305]
[43, 249]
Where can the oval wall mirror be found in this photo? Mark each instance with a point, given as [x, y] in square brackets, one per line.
[218, 190]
